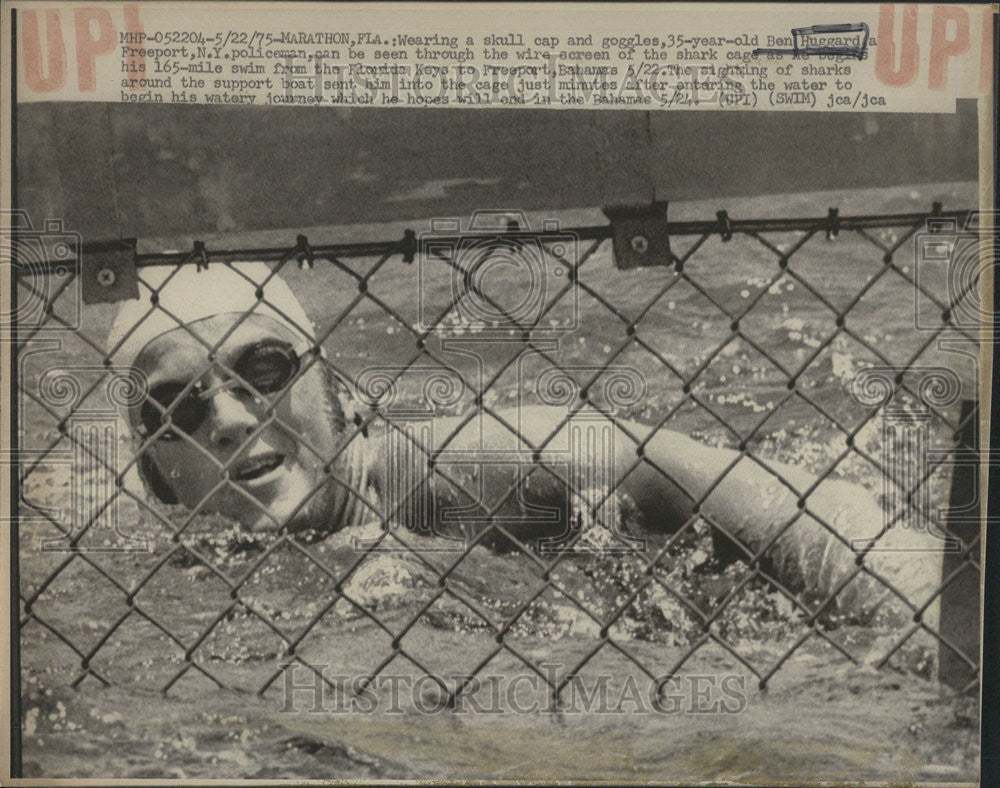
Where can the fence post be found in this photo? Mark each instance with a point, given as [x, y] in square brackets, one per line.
[960, 600]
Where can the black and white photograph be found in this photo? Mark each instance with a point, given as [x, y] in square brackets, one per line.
[499, 444]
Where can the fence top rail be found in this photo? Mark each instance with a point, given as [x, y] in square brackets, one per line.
[723, 224]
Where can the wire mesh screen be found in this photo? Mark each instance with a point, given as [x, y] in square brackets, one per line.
[466, 449]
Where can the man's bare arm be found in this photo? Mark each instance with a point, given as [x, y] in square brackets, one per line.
[808, 535]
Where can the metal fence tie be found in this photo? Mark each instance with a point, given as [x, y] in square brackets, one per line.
[408, 248]
[200, 256]
[725, 226]
[303, 253]
[832, 224]
[361, 424]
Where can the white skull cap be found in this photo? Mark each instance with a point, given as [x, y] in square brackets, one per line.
[190, 295]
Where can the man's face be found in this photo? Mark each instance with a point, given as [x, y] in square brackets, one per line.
[248, 433]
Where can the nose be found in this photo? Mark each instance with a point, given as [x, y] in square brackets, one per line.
[230, 421]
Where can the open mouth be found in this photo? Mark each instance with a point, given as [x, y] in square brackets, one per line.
[253, 468]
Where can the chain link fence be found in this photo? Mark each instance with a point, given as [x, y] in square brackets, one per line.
[834, 345]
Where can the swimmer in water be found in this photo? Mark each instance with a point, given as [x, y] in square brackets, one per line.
[243, 417]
